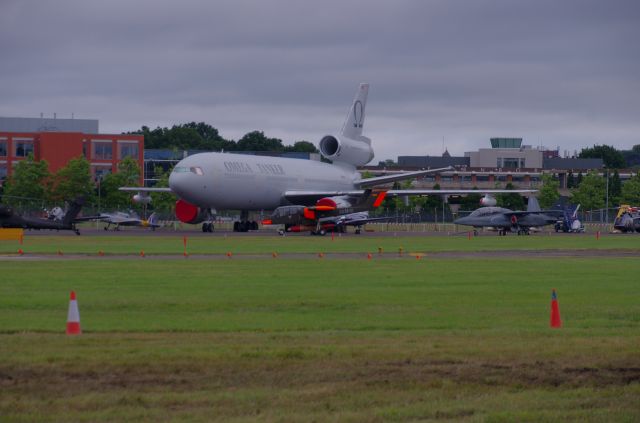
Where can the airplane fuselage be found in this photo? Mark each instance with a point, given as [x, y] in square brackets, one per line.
[247, 182]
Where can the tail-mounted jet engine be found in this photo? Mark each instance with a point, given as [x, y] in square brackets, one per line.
[355, 152]
[142, 198]
[188, 213]
[488, 201]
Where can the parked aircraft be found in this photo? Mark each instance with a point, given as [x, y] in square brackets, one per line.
[9, 219]
[323, 217]
[627, 219]
[207, 182]
[118, 219]
[506, 220]
[569, 221]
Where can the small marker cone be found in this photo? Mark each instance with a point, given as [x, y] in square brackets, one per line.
[185, 254]
[556, 322]
[229, 254]
[321, 255]
[369, 256]
[141, 253]
[20, 251]
[101, 253]
[73, 316]
[274, 254]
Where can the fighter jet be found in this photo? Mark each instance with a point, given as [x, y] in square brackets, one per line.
[207, 182]
[9, 219]
[118, 219]
[325, 216]
[506, 220]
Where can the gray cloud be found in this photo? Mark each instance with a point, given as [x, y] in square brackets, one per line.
[557, 73]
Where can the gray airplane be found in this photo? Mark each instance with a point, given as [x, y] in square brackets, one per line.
[207, 182]
[118, 219]
[506, 220]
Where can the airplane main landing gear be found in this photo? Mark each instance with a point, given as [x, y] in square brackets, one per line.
[244, 225]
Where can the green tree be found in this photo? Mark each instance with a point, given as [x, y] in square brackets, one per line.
[29, 179]
[615, 188]
[549, 191]
[591, 192]
[571, 180]
[163, 201]
[73, 180]
[612, 158]
[128, 175]
[631, 191]
[470, 202]
[513, 201]
[302, 147]
[257, 141]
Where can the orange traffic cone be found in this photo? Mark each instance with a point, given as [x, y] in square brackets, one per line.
[229, 254]
[20, 251]
[368, 256]
[274, 254]
[73, 317]
[101, 253]
[555, 311]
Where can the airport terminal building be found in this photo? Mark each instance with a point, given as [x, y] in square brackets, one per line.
[507, 161]
[59, 140]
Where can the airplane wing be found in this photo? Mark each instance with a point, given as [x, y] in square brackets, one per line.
[308, 197]
[145, 189]
[381, 180]
[396, 192]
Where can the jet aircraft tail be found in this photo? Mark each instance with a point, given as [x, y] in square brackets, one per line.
[354, 122]
[74, 210]
[533, 205]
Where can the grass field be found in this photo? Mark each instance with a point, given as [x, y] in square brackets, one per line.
[173, 244]
[321, 340]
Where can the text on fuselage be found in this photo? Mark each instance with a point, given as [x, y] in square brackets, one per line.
[262, 168]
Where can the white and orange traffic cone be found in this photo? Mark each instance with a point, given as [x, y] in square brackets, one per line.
[73, 317]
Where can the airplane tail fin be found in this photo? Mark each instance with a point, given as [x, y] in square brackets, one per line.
[354, 122]
[533, 205]
[74, 209]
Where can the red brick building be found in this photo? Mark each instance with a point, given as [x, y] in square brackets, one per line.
[103, 151]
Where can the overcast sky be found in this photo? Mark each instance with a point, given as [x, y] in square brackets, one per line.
[557, 73]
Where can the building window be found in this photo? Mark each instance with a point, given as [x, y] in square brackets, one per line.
[23, 148]
[3, 171]
[510, 163]
[102, 151]
[128, 150]
[3, 148]
[99, 172]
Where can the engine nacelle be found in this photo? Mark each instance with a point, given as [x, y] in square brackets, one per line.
[188, 213]
[356, 152]
[339, 202]
[488, 201]
[142, 198]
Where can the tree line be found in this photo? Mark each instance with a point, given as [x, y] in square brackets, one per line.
[32, 184]
[202, 136]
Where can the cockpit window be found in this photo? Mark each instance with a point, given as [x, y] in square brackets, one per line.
[193, 169]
